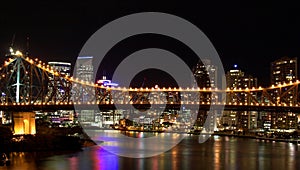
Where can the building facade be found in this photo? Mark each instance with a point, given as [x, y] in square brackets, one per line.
[284, 70]
[57, 84]
[84, 68]
[236, 78]
[64, 68]
[239, 120]
[84, 71]
[205, 75]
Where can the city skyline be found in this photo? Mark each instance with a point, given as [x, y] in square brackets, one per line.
[179, 85]
[202, 79]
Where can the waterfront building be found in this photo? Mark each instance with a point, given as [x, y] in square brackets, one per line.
[106, 118]
[239, 120]
[283, 70]
[84, 71]
[205, 75]
[5, 117]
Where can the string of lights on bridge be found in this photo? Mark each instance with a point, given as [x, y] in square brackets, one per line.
[45, 67]
[160, 103]
[38, 63]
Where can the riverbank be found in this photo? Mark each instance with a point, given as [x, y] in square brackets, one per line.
[253, 136]
[260, 138]
[46, 139]
[29, 143]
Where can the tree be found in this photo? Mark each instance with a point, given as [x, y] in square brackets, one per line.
[5, 137]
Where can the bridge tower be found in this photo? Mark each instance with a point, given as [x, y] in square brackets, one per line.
[17, 88]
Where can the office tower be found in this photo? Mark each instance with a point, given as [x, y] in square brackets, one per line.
[205, 75]
[84, 68]
[237, 120]
[57, 85]
[63, 68]
[284, 70]
[84, 71]
[236, 78]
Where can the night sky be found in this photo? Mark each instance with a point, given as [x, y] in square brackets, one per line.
[250, 36]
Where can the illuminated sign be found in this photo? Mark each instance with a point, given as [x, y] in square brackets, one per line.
[106, 83]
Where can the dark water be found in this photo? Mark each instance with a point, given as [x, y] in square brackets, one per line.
[216, 153]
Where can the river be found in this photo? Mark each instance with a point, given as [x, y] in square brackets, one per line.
[218, 152]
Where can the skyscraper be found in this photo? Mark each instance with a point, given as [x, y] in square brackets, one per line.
[84, 68]
[205, 75]
[63, 68]
[57, 85]
[236, 79]
[284, 70]
[84, 71]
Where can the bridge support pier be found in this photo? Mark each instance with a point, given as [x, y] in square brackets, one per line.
[24, 123]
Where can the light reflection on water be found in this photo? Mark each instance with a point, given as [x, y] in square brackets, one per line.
[216, 153]
[137, 144]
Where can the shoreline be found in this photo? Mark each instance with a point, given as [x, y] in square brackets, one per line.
[295, 141]
[74, 143]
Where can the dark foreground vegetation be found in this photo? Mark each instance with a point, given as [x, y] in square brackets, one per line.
[46, 139]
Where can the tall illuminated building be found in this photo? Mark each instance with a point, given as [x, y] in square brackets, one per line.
[56, 84]
[236, 78]
[284, 70]
[84, 71]
[205, 75]
[84, 68]
[237, 120]
[64, 68]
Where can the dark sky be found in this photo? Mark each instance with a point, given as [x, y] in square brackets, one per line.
[250, 35]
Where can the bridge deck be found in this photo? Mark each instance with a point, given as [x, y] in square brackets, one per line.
[206, 107]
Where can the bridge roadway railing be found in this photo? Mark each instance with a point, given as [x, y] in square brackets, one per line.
[106, 98]
[30, 83]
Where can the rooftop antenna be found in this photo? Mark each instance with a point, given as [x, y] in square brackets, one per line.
[143, 83]
[11, 45]
[104, 75]
[27, 46]
[13, 40]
